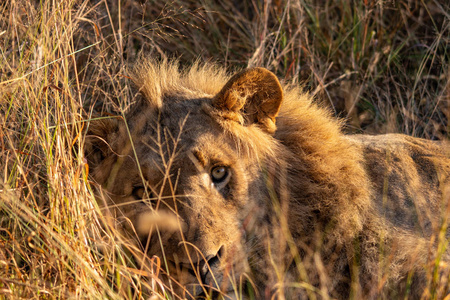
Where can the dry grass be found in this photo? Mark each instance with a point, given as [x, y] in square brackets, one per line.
[383, 65]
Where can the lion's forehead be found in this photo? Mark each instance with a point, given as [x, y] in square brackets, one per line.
[182, 128]
[175, 120]
[187, 153]
[183, 125]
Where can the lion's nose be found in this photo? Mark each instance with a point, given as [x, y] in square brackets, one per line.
[209, 268]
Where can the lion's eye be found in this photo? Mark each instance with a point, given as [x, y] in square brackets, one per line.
[145, 196]
[219, 174]
[138, 192]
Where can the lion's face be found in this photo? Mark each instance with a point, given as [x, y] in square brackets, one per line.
[187, 165]
[193, 175]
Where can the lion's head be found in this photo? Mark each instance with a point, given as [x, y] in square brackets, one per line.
[197, 153]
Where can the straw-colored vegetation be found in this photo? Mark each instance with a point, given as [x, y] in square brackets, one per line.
[382, 65]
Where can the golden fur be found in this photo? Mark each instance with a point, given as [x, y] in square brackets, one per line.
[301, 210]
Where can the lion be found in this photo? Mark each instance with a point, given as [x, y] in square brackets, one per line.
[260, 194]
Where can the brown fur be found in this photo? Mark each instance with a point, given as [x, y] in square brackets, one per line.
[305, 210]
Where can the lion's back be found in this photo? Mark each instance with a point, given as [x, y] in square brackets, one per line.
[410, 178]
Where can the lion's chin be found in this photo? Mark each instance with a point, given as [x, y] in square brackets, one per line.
[212, 291]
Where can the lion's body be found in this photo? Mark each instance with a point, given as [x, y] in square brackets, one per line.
[264, 185]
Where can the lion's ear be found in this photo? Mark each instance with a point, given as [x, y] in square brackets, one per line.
[98, 147]
[256, 94]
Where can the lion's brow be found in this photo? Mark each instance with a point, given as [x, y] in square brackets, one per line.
[198, 159]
